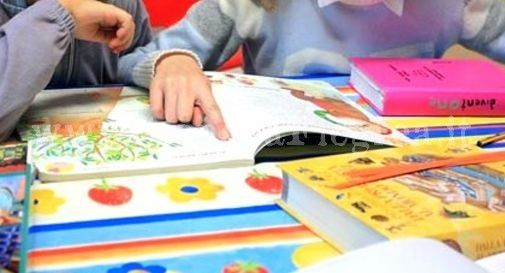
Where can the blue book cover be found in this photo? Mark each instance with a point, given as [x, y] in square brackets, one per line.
[13, 189]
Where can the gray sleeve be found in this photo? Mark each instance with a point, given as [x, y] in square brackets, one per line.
[31, 46]
[205, 30]
[490, 40]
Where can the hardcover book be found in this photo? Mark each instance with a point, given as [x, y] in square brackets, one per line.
[463, 206]
[15, 180]
[430, 87]
[219, 220]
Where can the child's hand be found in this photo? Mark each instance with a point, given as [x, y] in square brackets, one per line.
[99, 22]
[180, 92]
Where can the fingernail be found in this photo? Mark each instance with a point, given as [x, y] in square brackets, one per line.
[223, 135]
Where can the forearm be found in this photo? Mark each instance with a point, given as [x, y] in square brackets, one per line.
[31, 46]
[212, 40]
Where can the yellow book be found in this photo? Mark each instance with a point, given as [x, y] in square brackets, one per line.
[463, 206]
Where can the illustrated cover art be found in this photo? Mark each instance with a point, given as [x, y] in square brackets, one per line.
[12, 191]
[463, 206]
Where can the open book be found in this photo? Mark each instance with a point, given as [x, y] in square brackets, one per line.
[85, 133]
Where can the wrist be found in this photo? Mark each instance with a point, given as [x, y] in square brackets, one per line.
[173, 54]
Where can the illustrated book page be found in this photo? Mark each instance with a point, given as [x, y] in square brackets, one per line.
[83, 132]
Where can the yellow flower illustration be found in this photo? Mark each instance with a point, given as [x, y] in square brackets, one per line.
[183, 190]
[44, 201]
[313, 253]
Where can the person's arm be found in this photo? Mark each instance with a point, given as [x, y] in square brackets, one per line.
[206, 31]
[171, 66]
[33, 42]
[31, 46]
[484, 28]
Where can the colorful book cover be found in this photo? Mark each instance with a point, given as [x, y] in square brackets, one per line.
[220, 220]
[463, 206]
[431, 87]
[423, 127]
[13, 174]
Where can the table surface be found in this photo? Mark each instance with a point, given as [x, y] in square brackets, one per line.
[258, 233]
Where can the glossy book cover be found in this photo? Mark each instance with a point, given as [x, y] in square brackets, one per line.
[14, 182]
[431, 87]
[463, 206]
[220, 220]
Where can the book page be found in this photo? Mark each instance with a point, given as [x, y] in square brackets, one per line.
[79, 133]
[493, 264]
[116, 133]
[261, 109]
[413, 255]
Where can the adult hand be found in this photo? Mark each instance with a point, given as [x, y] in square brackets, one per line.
[180, 92]
[99, 22]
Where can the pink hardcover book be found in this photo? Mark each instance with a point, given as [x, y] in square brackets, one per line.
[430, 87]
